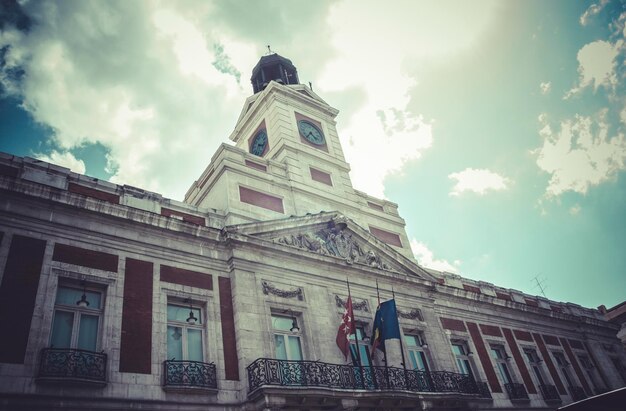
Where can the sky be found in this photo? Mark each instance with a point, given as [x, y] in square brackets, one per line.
[498, 127]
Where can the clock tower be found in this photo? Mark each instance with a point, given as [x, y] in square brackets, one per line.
[287, 160]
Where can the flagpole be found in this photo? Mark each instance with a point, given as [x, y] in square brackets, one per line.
[356, 338]
[406, 380]
[384, 350]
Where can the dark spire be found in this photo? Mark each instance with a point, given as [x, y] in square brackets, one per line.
[273, 67]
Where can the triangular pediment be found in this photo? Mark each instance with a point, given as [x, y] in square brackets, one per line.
[335, 236]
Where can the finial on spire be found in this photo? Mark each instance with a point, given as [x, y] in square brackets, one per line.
[269, 50]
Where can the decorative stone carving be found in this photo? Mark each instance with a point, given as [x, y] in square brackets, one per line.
[269, 288]
[415, 313]
[356, 305]
[336, 242]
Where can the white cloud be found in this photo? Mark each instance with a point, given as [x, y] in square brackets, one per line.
[478, 181]
[382, 135]
[591, 11]
[425, 258]
[596, 66]
[545, 87]
[65, 159]
[575, 209]
[580, 154]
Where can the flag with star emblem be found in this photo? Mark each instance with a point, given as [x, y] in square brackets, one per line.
[346, 328]
[386, 325]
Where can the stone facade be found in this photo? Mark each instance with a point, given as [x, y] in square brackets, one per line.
[260, 238]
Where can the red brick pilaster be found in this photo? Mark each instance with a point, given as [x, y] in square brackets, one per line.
[546, 357]
[231, 361]
[521, 365]
[483, 355]
[577, 369]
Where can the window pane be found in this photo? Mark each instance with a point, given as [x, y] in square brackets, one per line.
[365, 355]
[413, 359]
[181, 313]
[62, 329]
[457, 349]
[281, 350]
[174, 343]
[69, 296]
[504, 373]
[194, 344]
[294, 348]
[411, 340]
[423, 364]
[282, 323]
[88, 332]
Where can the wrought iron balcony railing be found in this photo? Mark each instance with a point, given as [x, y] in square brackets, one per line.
[577, 393]
[272, 372]
[189, 374]
[72, 365]
[549, 392]
[483, 389]
[516, 391]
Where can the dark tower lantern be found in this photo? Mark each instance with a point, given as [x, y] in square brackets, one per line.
[273, 67]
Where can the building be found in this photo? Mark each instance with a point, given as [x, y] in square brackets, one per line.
[113, 297]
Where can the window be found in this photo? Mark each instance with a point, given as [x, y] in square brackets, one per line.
[500, 357]
[77, 317]
[363, 348]
[563, 366]
[462, 354]
[286, 338]
[185, 333]
[415, 346]
[590, 371]
[535, 365]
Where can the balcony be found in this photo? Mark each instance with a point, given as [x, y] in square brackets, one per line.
[516, 391]
[577, 393]
[549, 392]
[72, 365]
[189, 376]
[271, 372]
[483, 389]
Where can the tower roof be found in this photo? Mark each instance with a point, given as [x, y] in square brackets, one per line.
[273, 67]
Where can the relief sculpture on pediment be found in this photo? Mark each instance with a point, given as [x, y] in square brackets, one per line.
[336, 242]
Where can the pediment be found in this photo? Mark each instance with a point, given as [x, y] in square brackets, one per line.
[336, 236]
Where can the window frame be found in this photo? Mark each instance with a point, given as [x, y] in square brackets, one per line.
[498, 354]
[77, 313]
[418, 349]
[185, 327]
[465, 357]
[285, 334]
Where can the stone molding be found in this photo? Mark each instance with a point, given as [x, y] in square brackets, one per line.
[359, 306]
[415, 313]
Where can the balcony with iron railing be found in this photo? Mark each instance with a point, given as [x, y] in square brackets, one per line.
[189, 376]
[72, 366]
[516, 391]
[267, 372]
[549, 393]
[577, 393]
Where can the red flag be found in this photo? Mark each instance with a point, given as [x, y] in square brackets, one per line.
[346, 328]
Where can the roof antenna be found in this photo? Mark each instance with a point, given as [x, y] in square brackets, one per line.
[311, 86]
[540, 285]
[269, 50]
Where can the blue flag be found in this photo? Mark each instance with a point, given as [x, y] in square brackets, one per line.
[386, 325]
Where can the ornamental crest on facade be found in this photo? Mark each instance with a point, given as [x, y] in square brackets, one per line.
[335, 242]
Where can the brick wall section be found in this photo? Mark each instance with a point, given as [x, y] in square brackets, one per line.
[551, 340]
[231, 360]
[577, 369]
[17, 296]
[8, 171]
[576, 344]
[483, 356]
[92, 192]
[523, 335]
[189, 218]
[530, 302]
[548, 360]
[136, 344]
[84, 257]
[249, 196]
[254, 165]
[186, 277]
[320, 176]
[490, 330]
[519, 360]
[452, 324]
[471, 288]
[386, 236]
[503, 296]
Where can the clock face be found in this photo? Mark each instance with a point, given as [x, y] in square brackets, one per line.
[311, 132]
[259, 143]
